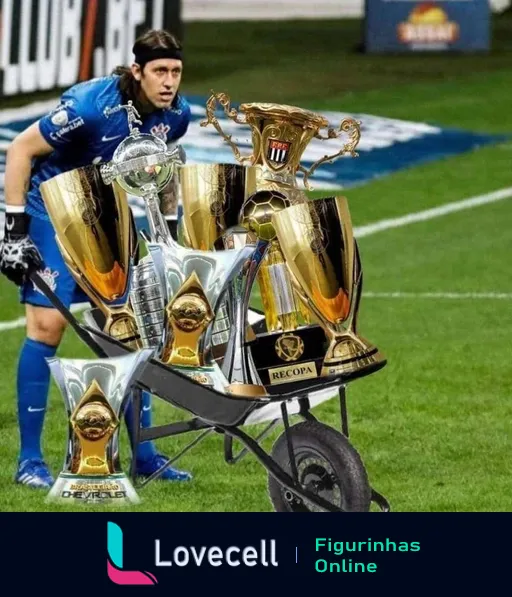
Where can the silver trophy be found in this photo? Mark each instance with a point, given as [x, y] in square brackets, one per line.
[147, 301]
[195, 284]
[95, 394]
[143, 165]
[177, 291]
[238, 365]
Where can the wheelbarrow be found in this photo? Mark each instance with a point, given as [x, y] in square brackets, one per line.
[311, 467]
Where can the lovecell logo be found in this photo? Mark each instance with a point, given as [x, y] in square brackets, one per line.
[115, 561]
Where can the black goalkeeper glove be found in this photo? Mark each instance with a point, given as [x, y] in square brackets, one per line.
[18, 254]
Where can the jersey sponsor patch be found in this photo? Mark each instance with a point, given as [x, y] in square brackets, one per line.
[72, 125]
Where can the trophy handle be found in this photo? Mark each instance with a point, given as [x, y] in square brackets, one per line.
[225, 101]
[357, 277]
[353, 129]
[349, 242]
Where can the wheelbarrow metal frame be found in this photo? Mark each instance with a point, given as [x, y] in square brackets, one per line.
[105, 346]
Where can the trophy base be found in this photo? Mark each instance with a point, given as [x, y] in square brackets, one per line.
[283, 358]
[103, 490]
[356, 362]
[210, 376]
[246, 390]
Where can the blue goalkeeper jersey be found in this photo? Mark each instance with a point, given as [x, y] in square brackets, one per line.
[81, 133]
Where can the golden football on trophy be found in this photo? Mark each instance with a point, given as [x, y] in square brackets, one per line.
[94, 420]
[258, 210]
[190, 312]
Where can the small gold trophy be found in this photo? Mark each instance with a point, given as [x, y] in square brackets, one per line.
[280, 135]
[95, 394]
[189, 314]
[95, 234]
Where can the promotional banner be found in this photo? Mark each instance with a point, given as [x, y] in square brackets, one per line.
[47, 44]
[176, 554]
[412, 25]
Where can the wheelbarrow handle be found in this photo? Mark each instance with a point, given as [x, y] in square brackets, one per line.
[66, 313]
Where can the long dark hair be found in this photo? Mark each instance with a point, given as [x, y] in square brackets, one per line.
[150, 40]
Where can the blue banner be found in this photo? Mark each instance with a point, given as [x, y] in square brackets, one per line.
[412, 25]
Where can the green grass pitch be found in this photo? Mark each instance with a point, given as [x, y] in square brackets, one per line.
[434, 427]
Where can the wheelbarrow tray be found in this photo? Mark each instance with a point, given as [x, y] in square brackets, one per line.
[202, 401]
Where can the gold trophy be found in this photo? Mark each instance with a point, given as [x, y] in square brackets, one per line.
[212, 197]
[280, 135]
[95, 234]
[189, 313]
[321, 253]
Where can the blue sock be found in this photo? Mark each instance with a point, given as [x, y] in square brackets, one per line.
[32, 385]
[146, 450]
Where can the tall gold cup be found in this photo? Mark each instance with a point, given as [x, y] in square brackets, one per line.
[212, 196]
[95, 233]
[321, 254]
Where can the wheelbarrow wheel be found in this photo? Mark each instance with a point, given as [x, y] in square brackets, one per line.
[327, 465]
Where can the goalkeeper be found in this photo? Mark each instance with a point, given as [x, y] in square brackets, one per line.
[75, 134]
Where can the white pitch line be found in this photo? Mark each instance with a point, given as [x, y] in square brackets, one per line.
[507, 296]
[379, 226]
[429, 214]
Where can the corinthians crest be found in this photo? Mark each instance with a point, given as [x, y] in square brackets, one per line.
[160, 131]
[50, 277]
[89, 214]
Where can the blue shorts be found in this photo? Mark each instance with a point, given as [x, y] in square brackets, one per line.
[54, 271]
